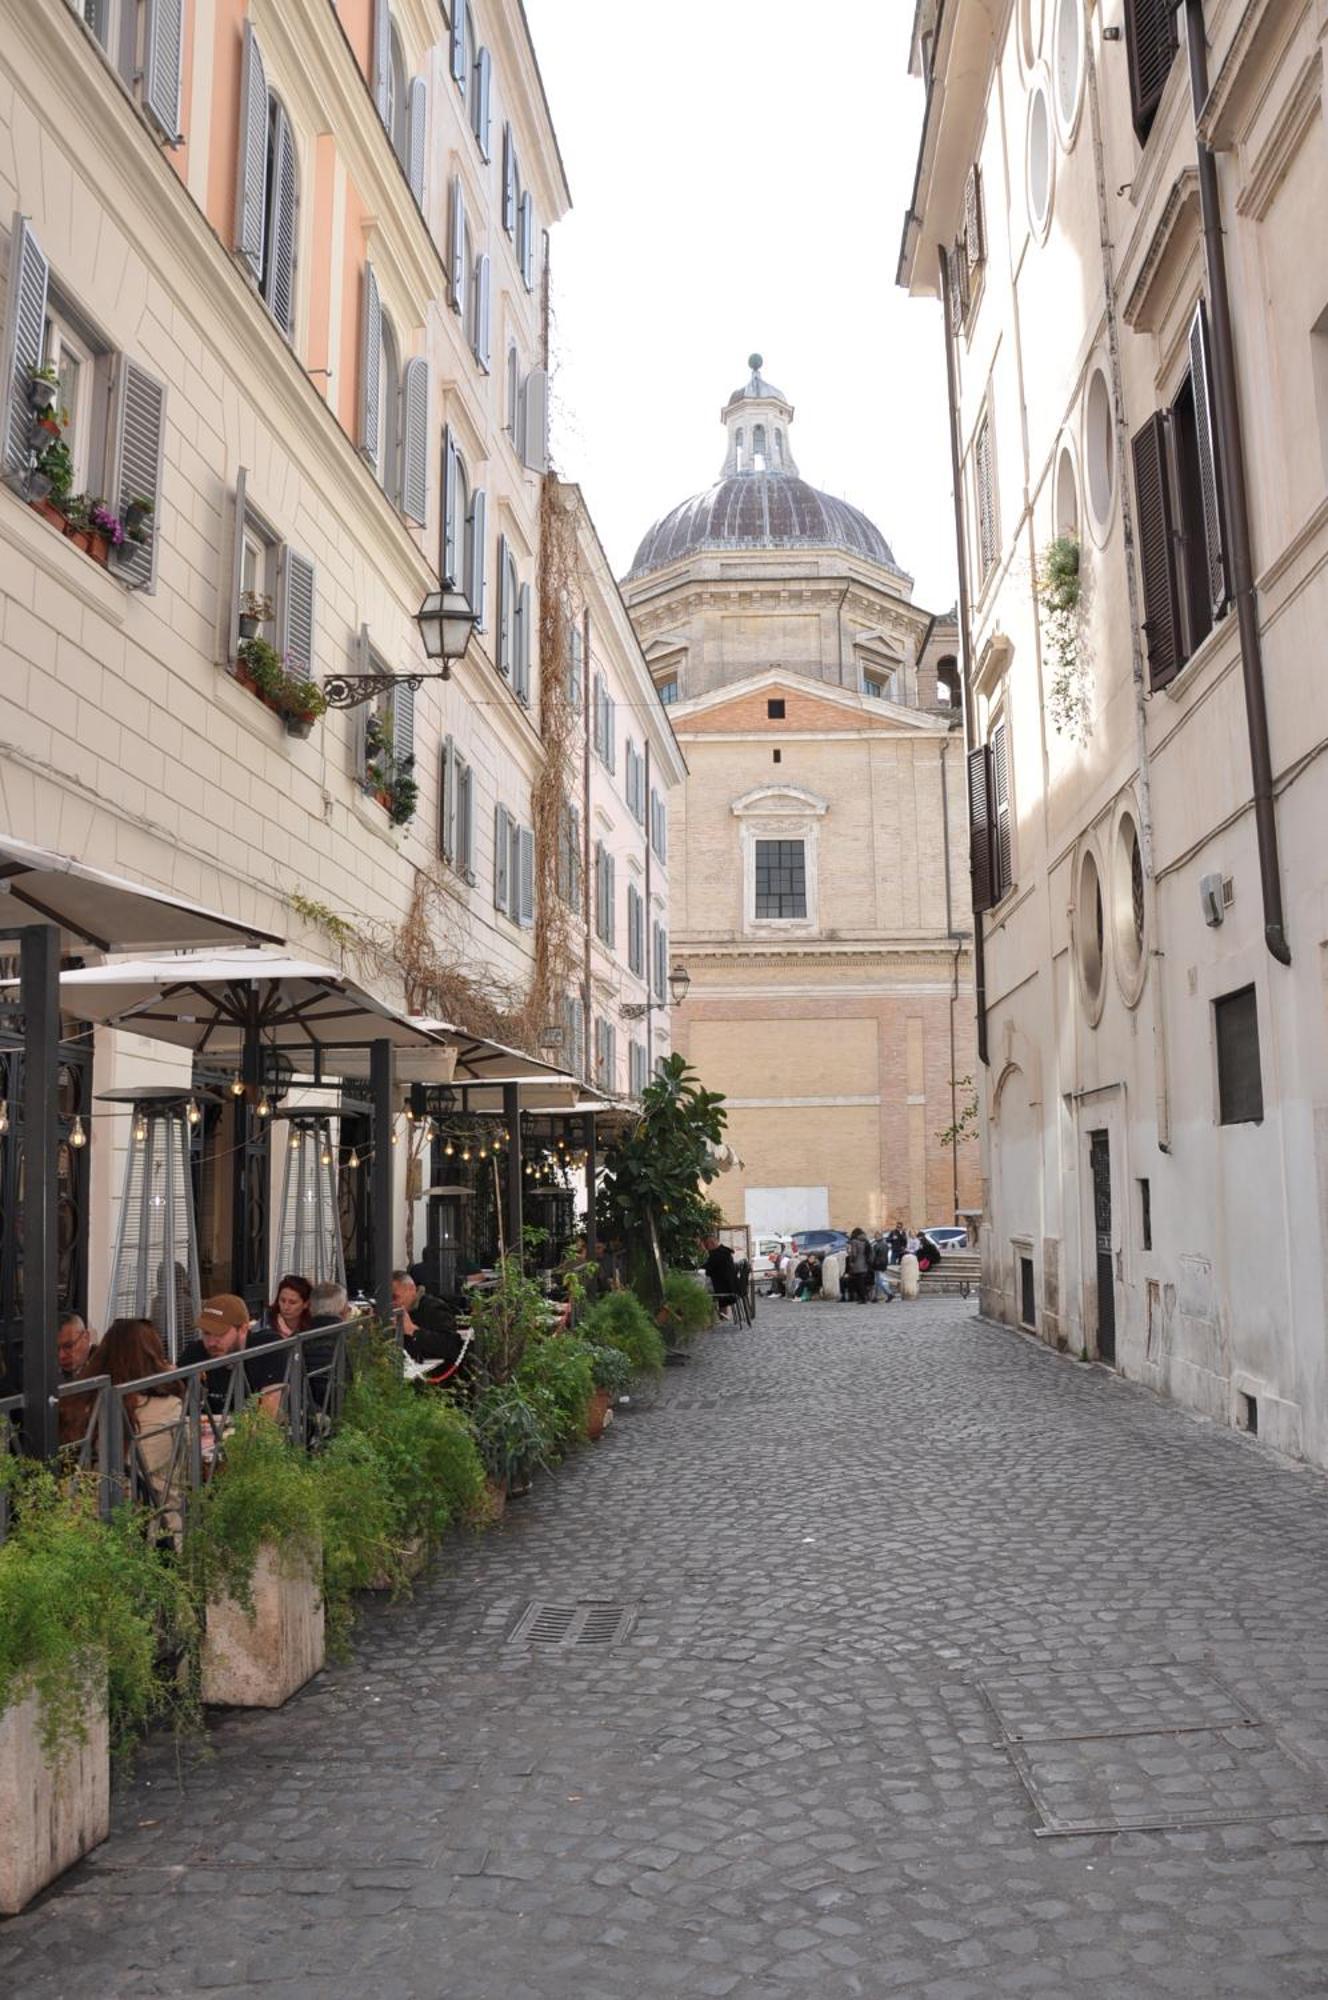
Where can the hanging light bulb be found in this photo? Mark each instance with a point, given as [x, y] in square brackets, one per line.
[449, 1149]
[295, 1142]
[4, 1114]
[394, 1138]
[77, 1136]
[354, 1159]
[465, 1152]
[409, 1114]
[484, 1152]
[237, 1086]
[325, 1157]
[264, 1108]
[192, 1113]
[140, 1129]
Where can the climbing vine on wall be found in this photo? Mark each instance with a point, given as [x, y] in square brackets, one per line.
[1061, 598]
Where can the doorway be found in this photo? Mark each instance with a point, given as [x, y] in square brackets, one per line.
[1099, 1155]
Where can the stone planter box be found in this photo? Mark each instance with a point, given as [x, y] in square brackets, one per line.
[259, 1661]
[51, 1813]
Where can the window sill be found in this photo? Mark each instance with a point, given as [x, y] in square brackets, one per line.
[1181, 682]
[96, 547]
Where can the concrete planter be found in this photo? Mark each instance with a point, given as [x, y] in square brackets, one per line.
[52, 1810]
[259, 1661]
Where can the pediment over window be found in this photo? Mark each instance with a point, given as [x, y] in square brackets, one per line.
[780, 802]
[1173, 242]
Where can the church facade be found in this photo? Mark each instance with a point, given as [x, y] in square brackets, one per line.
[818, 866]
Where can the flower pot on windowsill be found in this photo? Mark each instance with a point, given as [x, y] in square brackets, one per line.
[299, 725]
[47, 509]
[249, 627]
[99, 547]
[80, 537]
[43, 395]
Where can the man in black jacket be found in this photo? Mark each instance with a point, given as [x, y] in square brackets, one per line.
[428, 1325]
[722, 1270]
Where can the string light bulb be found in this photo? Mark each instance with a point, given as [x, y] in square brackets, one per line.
[465, 1152]
[237, 1086]
[448, 1150]
[4, 1114]
[325, 1157]
[264, 1108]
[77, 1136]
[295, 1142]
[394, 1138]
[354, 1159]
[193, 1115]
[140, 1129]
[484, 1152]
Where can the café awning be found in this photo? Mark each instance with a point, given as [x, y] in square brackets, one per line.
[39, 886]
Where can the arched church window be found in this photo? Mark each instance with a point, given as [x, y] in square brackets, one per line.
[739, 437]
[758, 447]
[779, 447]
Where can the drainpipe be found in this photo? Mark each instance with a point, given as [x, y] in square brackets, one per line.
[587, 881]
[646, 944]
[965, 630]
[954, 970]
[1231, 459]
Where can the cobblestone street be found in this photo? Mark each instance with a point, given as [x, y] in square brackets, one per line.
[880, 1562]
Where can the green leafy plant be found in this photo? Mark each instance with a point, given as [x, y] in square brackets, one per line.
[424, 1442]
[506, 1320]
[55, 463]
[620, 1320]
[1060, 595]
[290, 694]
[78, 1597]
[965, 1125]
[562, 1369]
[688, 1308]
[654, 1174]
[360, 1527]
[262, 1493]
[610, 1370]
[389, 776]
[262, 664]
[510, 1432]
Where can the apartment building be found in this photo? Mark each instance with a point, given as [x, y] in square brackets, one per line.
[274, 364]
[1120, 209]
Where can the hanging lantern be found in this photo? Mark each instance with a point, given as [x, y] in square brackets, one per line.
[140, 1130]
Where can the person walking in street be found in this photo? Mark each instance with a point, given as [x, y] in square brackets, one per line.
[882, 1258]
[858, 1266]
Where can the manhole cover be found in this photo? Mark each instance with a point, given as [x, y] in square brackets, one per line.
[591, 1624]
[1159, 1745]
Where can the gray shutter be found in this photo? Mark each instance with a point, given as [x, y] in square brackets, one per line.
[284, 207]
[358, 734]
[371, 367]
[402, 705]
[526, 902]
[1150, 48]
[25, 336]
[417, 136]
[509, 182]
[457, 47]
[975, 237]
[415, 453]
[1210, 484]
[163, 57]
[237, 566]
[139, 439]
[456, 249]
[382, 58]
[575, 668]
[482, 111]
[295, 617]
[477, 581]
[513, 420]
[981, 848]
[523, 643]
[610, 732]
[251, 182]
[466, 822]
[501, 858]
[447, 804]
[483, 310]
[525, 237]
[1155, 541]
[506, 612]
[451, 537]
[535, 440]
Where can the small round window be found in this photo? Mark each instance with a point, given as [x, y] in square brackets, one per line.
[1065, 497]
[1099, 452]
[1039, 160]
[1068, 64]
[1128, 909]
[1091, 933]
[1030, 30]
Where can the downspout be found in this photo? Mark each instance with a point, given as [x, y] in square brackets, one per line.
[1231, 463]
[965, 630]
[587, 680]
[1161, 1068]
[645, 923]
[954, 972]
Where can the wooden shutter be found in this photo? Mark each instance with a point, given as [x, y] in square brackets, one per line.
[523, 643]
[483, 310]
[525, 236]
[1210, 483]
[482, 109]
[447, 801]
[985, 487]
[295, 618]
[610, 899]
[465, 821]
[371, 367]
[237, 566]
[509, 182]
[1002, 872]
[981, 849]
[357, 736]
[280, 287]
[535, 438]
[415, 440]
[139, 436]
[457, 273]
[452, 534]
[1156, 540]
[526, 877]
[401, 706]
[25, 337]
[382, 59]
[501, 858]
[975, 234]
[163, 58]
[477, 582]
[417, 133]
[506, 612]
[457, 46]
[251, 171]
[1151, 43]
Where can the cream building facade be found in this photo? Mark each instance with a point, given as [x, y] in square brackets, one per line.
[288, 265]
[1121, 208]
[817, 848]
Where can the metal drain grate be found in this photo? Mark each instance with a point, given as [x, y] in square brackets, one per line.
[591, 1624]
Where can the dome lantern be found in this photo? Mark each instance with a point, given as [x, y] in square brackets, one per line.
[757, 419]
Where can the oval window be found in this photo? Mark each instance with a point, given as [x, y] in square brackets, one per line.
[1069, 63]
[1065, 498]
[1128, 910]
[1099, 451]
[1091, 932]
[1039, 161]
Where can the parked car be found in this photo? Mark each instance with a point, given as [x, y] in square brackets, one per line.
[765, 1251]
[825, 1242]
[948, 1238]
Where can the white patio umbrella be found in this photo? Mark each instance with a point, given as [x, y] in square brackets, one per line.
[39, 886]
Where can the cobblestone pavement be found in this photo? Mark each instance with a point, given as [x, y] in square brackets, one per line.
[853, 1539]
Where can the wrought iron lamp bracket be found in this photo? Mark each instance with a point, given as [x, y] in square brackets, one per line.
[352, 690]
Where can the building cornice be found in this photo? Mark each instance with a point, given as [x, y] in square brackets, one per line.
[1262, 34]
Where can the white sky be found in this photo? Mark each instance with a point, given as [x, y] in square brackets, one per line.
[739, 175]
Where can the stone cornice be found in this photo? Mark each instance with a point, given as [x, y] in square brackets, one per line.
[1263, 31]
[1172, 240]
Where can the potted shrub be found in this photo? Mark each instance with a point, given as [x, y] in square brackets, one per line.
[358, 1526]
[52, 476]
[390, 778]
[511, 1440]
[427, 1450]
[611, 1372]
[300, 702]
[258, 666]
[84, 1605]
[688, 1308]
[620, 1320]
[253, 1550]
[560, 1370]
[506, 1320]
[255, 610]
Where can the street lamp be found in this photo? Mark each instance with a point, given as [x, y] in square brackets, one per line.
[446, 622]
[679, 981]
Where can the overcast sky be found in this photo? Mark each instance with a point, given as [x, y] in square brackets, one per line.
[739, 176]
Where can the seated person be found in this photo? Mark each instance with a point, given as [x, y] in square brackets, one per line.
[928, 1252]
[223, 1328]
[428, 1325]
[74, 1342]
[722, 1270]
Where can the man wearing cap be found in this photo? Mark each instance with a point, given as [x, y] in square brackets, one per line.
[223, 1328]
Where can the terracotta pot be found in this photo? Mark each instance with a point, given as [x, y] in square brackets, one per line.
[597, 1412]
[99, 547]
[50, 512]
[299, 725]
[80, 537]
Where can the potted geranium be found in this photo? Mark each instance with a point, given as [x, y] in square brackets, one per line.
[255, 610]
[300, 702]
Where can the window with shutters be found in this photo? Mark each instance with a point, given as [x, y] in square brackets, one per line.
[147, 56]
[659, 824]
[1002, 840]
[569, 855]
[462, 48]
[276, 278]
[512, 419]
[525, 240]
[396, 110]
[1239, 1074]
[636, 930]
[480, 314]
[606, 1054]
[781, 878]
[481, 101]
[604, 724]
[634, 787]
[660, 961]
[388, 452]
[991, 817]
[1151, 42]
[638, 1068]
[513, 868]
[1181, 527]
[984, 494]
[576, 666]
[605, 895]
[456, 794]
[83, 365]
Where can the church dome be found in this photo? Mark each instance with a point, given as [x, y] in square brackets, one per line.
[759, 501]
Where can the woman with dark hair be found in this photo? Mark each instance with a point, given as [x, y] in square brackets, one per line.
[289, 1313]
[131, 1351]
